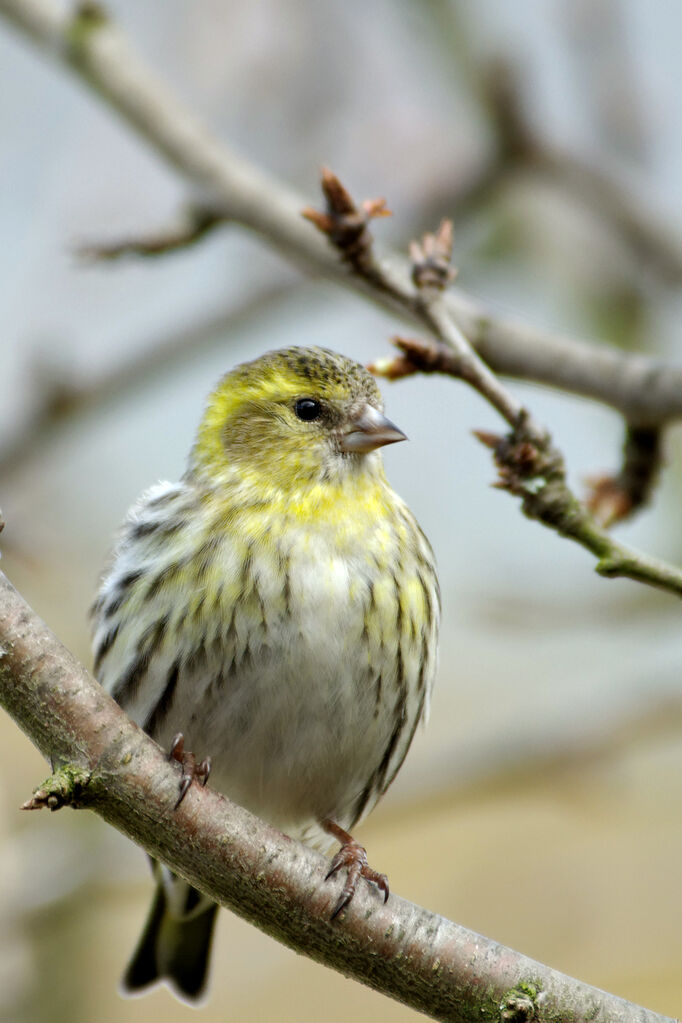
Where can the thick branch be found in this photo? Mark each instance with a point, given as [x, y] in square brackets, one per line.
[646, 392]
[400, 949]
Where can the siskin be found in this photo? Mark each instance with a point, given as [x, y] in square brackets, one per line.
[279, 606]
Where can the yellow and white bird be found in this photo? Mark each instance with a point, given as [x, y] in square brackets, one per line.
[278, 606]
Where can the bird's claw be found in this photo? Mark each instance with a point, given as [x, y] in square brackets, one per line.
[353, 857]
[191, 770]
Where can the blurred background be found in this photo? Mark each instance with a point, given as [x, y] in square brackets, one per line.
[541, 806]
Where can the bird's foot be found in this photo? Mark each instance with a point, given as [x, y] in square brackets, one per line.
[353, 857]
[191, 769]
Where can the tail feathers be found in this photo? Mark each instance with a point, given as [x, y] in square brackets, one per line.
[175, 945]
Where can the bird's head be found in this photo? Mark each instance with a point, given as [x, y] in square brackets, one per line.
[290, 418]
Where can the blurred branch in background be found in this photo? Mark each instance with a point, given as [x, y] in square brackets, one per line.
[605, 73]
[58, 396]
[520, 148]
[516, 147]
[404, 951]
[613, 498]
[194, 223]
[644, 392]
[529, 756]
[641, 389]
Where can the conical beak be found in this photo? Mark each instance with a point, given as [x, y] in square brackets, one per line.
[368, 430]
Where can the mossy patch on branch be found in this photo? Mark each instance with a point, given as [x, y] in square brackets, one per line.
[63, 788]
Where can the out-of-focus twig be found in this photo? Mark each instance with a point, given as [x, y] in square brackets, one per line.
[193, 225]
[606, 73]
[614, 498]
[529, 755]
[59, 399]
[640, 228]
[645, 392]
[518, 146]
[515, 146]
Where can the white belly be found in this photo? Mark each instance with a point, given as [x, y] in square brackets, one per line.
[300, 672]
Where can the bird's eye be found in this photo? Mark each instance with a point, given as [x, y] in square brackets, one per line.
[307, 409]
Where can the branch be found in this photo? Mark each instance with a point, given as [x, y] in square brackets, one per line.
[614, 498]
[644, 391]
[194, 223]
[59, 398]
[646, 394]
[617, 205]
[113, 768]
[518, 147]
[530, 466]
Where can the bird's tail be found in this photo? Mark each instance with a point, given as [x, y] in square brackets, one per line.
[176, 941]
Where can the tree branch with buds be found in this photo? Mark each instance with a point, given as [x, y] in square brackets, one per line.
[643, 390]
[110, 766]
[529, 465]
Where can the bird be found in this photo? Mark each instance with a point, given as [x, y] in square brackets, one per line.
[277, 608]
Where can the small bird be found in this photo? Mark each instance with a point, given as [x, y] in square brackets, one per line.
[279, 608]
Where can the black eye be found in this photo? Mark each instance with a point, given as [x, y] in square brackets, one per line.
[307, 409]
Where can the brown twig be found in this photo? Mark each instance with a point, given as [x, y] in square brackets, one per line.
[346, 224]
[614, 498]
[195, 223]
[112, 767]
[431, 266]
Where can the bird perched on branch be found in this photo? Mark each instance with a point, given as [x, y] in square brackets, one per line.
[278, 607]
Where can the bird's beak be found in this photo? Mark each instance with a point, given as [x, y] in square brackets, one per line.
[369, 429]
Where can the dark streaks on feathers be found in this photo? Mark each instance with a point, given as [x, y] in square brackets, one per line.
[111, 606]
[152, 637]
[161, 500]
[377, 781]
[160, 709]
[386, 782]
[159, 527]
[104, 647]
[205, 556]
[377, 700]
[164, 576]
[398, 729]
[128, 684]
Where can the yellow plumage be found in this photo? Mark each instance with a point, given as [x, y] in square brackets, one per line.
[279, 607]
